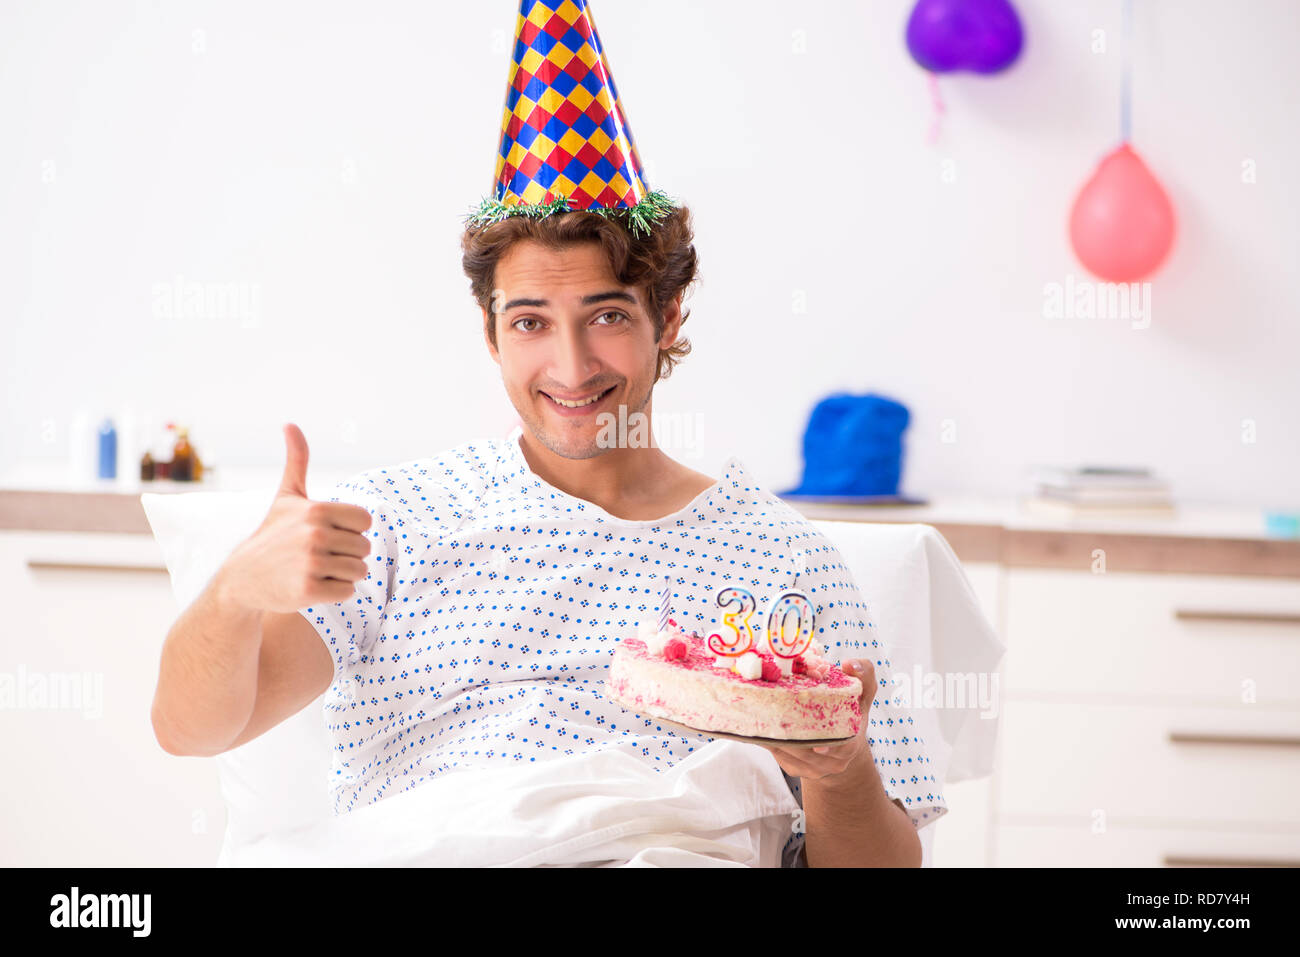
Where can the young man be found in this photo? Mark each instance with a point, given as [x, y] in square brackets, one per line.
[461, 609]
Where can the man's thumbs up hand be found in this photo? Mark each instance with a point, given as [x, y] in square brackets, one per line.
[305, 552]
[294, 480]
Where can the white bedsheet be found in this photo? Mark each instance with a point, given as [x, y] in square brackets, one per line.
[726, 804]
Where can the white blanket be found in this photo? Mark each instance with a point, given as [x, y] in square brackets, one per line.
[727, 804]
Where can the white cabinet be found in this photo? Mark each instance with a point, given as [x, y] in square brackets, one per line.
[1146, 764]
[84, 619]
[1131, 636]
[1079, 845]
[1148, 719]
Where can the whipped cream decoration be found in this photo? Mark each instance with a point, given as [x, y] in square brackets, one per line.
[816, 666]
[749, 665]
[656, 640]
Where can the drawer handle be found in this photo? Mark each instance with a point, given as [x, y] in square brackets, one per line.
[1197, 737]
[1177, 860]
[1253, 617]
[38, 564]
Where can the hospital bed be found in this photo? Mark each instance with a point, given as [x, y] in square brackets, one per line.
[274, 786]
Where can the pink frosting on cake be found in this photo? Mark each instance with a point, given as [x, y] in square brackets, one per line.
[695, 693]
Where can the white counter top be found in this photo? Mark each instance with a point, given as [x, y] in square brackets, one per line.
[1201, 520]
[51, 477]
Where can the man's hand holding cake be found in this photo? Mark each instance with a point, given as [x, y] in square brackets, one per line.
[827, 760]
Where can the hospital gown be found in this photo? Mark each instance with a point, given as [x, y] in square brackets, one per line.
[482, 634]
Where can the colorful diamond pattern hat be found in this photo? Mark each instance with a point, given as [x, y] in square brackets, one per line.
[565, 142]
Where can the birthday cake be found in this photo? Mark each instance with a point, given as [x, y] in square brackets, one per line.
[772, 688]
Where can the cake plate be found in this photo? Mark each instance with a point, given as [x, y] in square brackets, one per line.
[748, 739]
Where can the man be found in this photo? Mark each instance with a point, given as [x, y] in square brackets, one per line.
[477, 634]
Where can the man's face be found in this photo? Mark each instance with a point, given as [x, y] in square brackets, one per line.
[566, 330]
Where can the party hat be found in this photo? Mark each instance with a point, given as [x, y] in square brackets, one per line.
[565, 143]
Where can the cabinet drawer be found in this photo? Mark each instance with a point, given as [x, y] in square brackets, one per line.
[87, 784]
[1132, 764]
[1118, 635]
[1066, 846]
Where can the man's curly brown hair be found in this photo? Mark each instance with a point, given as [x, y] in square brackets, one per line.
[662, 265]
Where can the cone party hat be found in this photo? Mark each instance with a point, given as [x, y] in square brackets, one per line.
[565, 143]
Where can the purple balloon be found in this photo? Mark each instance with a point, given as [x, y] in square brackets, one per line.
[983, 36]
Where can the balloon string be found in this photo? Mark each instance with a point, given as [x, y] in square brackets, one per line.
[1126, 77]
[936, 104]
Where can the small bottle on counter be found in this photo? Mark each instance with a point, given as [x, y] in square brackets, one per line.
[182, 467]
[107, 450]
[146, 467]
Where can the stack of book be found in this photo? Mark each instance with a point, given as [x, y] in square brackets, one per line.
[1097, 491]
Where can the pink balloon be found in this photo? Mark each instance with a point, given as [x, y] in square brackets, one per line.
[1122, 224]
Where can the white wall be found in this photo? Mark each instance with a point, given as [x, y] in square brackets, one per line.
[325, 152]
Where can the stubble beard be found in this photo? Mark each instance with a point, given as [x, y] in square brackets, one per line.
[581, 441]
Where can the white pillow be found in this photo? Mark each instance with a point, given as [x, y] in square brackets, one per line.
[281, 778]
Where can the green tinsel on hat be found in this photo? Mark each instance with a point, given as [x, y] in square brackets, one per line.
[639, 218]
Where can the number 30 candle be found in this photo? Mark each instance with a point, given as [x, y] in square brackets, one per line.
[786, 643]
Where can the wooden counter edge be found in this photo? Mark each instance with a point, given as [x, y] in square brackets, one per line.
[1079, 549]
[37, 511]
